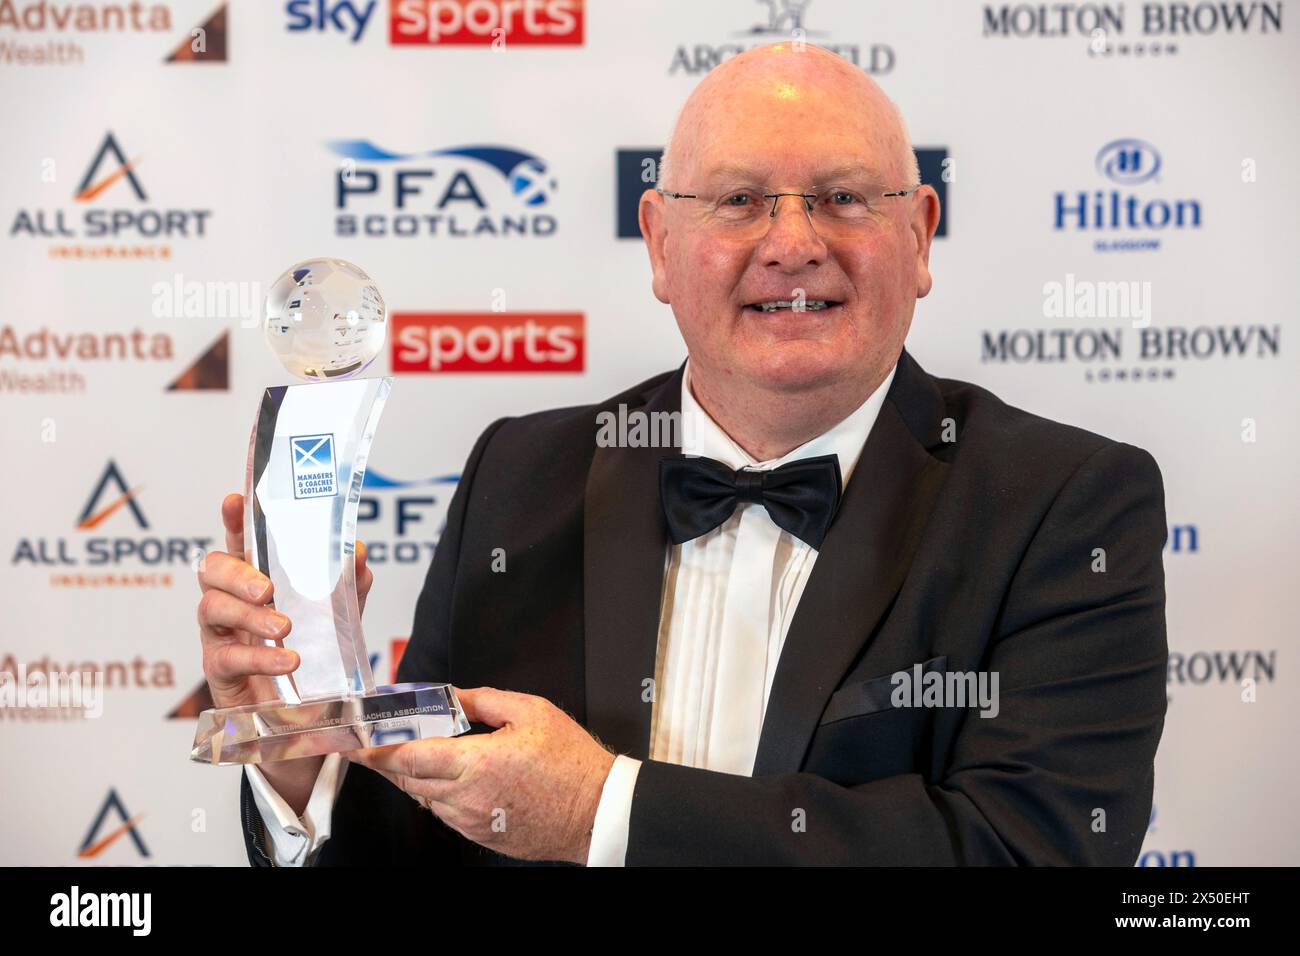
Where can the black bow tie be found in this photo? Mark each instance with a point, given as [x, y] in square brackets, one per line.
[698, 494]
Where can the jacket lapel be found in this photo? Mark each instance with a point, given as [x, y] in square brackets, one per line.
[862, 564]
[625, 542]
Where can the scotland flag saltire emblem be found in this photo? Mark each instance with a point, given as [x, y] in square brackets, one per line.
[314, 471]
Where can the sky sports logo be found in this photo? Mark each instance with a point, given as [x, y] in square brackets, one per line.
[498, 23]
[488, 342]
[495, 23]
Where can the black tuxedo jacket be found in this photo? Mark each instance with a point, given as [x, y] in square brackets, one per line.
[972, 536]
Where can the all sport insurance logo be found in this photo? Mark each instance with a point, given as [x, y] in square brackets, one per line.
[488, 342]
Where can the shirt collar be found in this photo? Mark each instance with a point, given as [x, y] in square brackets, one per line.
[703, 436]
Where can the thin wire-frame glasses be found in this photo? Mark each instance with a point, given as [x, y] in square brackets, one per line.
[739, 209]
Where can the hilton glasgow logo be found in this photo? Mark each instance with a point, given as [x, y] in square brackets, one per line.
[1128, 221]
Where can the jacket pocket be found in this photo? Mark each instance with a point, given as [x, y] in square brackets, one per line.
[872, 695]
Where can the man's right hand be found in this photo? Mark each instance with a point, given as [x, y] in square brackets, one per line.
[234, 622]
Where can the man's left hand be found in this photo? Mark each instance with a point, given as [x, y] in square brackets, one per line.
[528, 789]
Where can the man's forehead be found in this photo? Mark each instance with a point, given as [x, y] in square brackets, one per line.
[764, 170]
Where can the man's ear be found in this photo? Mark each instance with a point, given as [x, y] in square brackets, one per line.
[652, 218]
[924, 221]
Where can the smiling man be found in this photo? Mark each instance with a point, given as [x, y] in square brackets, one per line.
[806, 122]
[752, 648]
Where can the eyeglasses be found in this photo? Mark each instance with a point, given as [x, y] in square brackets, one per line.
[739, 210]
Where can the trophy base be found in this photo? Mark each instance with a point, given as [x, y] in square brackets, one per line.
[274, 730]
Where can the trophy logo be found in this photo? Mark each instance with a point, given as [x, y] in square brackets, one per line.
[313, 466]
[326, 323]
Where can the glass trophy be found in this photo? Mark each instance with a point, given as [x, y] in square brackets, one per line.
[325, 321]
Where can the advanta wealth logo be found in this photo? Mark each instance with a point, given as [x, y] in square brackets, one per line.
[63, 355]
[44, 31]
[454, 193]
[41, 28]
[1129, 221]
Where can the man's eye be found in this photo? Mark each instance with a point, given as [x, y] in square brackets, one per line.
[841, 197]
[742, 197]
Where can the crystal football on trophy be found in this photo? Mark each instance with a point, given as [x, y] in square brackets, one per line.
[325, 321]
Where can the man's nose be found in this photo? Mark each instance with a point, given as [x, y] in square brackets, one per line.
[791, 242]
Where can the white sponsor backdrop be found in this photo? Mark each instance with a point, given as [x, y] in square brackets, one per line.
[1024, 106]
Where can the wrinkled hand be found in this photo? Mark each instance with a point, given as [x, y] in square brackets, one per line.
[528, 790]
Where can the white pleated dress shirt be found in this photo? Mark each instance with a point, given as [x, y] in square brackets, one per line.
[728, 599]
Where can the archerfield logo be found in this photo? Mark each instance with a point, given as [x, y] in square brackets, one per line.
[1152, 31]
[455, 193]
[783, 19]
[52, 33]
[122, 560]
[488, 342]
[111, 208]
[496, 23]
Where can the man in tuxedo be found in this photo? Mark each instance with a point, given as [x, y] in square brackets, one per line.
[713, 653]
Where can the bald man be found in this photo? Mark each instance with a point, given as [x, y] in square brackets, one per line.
[853, 614]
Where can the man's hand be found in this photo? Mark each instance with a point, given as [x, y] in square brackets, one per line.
[528, 790]
[234, 619]
[234, 624]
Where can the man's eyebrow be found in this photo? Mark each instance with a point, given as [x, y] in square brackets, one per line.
[732, 170]
[850, 169]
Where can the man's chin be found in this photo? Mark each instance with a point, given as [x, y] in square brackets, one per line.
[797, 366]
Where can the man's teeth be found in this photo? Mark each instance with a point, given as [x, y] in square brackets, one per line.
[812, 305]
